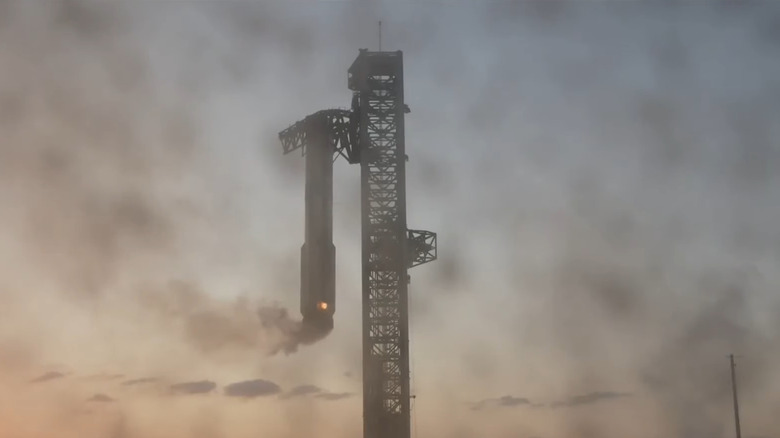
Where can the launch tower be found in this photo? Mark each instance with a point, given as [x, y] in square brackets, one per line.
[389, 248]
[371, 134]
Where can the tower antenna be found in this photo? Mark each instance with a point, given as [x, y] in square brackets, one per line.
[380, 35]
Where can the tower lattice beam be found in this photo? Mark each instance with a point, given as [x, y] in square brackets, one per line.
[388, 247]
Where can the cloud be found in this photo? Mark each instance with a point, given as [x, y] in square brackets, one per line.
[100, 398]
[590, 398]
[52, 375]
[140, 381]
[504, 401]
[103, 376]
[302, 390]
[332, 396]
[199, 387]
[252, 389]
[316, 392]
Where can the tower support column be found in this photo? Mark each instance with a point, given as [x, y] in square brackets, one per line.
[377, 79]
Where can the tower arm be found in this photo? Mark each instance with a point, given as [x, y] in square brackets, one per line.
[421, 247]
[340, 124]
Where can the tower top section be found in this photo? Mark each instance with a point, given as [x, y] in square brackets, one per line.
[369, 64]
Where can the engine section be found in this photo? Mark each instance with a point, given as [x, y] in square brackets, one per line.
[318, 254]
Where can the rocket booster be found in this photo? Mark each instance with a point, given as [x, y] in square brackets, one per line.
[318, 254]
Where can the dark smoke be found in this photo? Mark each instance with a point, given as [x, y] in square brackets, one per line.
[294, 333]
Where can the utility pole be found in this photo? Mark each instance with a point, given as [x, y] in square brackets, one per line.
[734, 391]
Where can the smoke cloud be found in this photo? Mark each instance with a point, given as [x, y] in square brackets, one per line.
[215, 325]
[105, 165]
[294, 333]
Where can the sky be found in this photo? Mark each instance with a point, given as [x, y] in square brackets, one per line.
[601, 176]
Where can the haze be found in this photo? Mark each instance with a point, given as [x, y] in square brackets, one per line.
[602, 177]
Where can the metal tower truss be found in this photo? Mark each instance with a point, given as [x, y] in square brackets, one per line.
[388, 247]
[372, 134]
[421, 247]
[340, 127]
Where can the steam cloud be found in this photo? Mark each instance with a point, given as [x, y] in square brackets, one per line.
[104, 207]
[647, 201]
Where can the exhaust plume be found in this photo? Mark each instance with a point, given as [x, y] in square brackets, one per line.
[213, 325]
